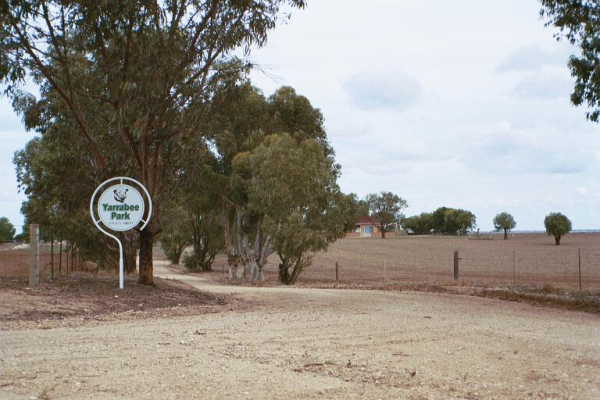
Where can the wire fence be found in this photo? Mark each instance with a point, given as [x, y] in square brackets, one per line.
[529, 261]
[425, 260]
[56, 260]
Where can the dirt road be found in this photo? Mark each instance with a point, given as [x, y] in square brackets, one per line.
[314, 343]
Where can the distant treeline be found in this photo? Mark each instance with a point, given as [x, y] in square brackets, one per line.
[451, 221]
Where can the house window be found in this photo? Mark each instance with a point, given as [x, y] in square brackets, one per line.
[357, 229]
[369, 229]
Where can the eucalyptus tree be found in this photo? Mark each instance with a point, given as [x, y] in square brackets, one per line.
[578, 21]
[419, 224]
[292, 187]
[52, 173]
[557, 225]
[504, 221]
[146, 64]
[453, 221]
[242, 123]
[386, 208]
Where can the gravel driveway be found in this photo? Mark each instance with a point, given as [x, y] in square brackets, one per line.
[315, 344]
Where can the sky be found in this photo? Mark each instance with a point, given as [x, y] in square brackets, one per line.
[460, 104]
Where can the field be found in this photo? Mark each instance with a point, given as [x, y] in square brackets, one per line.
[14, 263]
[522, 260]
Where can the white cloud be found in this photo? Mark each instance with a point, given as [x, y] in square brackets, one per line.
[374, 90]
[534, 57]
[544, 85]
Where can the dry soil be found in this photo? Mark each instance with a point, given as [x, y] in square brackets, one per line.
[300, 343]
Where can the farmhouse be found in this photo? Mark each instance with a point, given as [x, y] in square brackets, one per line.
[365, 227]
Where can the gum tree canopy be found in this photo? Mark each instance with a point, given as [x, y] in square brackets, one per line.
[386, 208]
[557, 225]
[504, 221]
[145, 67]
[579, 22]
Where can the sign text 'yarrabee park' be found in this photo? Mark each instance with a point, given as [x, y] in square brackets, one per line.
[121, 207]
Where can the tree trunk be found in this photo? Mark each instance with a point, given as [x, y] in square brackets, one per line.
[557, 240]
[382, 229]
[236, 272]
[146, 274]
[505, 234]
[284, 274]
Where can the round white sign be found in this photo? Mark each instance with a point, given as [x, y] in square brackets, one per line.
[121, 207]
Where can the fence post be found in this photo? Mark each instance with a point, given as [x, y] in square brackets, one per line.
[514, 267]
[34, 271]
[579, 259]
[52, 256]
[456, 259]
[337, 272]
[60, 257]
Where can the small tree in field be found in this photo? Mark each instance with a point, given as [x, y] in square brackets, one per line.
[504, 221]
[386, 208]
[557, 225]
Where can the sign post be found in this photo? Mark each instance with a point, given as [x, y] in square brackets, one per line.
[120, 207]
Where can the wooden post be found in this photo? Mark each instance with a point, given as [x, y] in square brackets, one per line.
[337, 272]
[60, 257]
[456, 259]
[579, 258]
[52, 256]
[34, 241]
[67, 260]
[514, 267]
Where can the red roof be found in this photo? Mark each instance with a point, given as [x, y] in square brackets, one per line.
[367, 221]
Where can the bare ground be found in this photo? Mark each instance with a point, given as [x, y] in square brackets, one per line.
[301, 343]
[84, 298]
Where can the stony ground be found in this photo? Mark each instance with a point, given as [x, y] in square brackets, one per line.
[314, 343]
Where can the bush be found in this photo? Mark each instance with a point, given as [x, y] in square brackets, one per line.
[199, 262]
[173, 245]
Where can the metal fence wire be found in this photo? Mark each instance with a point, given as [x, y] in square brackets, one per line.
[424, 260]
[55, 260]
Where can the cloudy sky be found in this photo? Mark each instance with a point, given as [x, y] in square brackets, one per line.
[460, 104]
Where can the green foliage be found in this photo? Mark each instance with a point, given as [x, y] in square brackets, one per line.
[354, 209]
[207, 241]
[128, 79]
[53, 173]
[386, 208]
[7, 230]
[453, 221]
[439, 219]
[292, 186]
[579, 23]
[419, 224]
[175, 236]
[273, 178]
[557, 225]
[504, 221]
